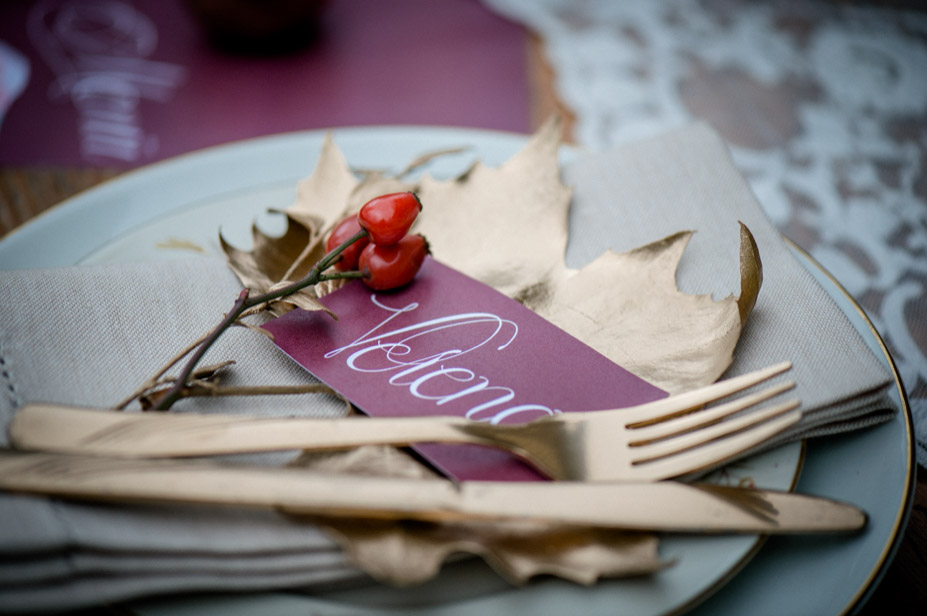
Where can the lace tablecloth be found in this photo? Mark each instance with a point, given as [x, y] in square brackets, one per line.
[823, 105]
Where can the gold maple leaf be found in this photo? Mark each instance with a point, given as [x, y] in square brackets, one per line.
[330, 193]
[405, 553]
[508, 227]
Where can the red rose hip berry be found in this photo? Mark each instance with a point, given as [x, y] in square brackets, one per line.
[389, 267]
[387, 218]
[343, 231]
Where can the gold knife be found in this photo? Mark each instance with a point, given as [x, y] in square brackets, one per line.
[662, 506]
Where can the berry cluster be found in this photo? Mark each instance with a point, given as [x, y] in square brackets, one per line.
[383, 251]
[374, 245]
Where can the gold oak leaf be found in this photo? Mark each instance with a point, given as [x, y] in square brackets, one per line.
[508, 227]
[270, 257]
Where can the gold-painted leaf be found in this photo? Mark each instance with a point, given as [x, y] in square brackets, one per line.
[751, 273]
[323, 199]
[305, 299]
[583, 556]
[369, 460]
[323, 195]
[628, 307]
[408, 552]
[505, 226]
[427, 157]
[374, 186]
[270, 257]
[271, 262]
[508, 227]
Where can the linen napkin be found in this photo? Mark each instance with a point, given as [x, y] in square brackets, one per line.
[685, 179]
[90, 335]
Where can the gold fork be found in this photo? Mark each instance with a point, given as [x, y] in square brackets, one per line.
[662, 439]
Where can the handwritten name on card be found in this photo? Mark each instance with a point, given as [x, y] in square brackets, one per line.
[450, 345]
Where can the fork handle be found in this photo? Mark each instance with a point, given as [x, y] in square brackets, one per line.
[67, 429]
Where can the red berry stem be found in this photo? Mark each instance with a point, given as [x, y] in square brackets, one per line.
[341, 232]
[314, 276]
[341, 276]
[177, 390]
[244, 303]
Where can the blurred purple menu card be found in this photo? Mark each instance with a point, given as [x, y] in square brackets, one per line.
[122, 83]
[450, 345]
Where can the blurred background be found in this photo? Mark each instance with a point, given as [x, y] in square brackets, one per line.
[118, 84]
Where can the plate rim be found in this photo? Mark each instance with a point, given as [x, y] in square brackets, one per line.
[903, 513]
[128, 175]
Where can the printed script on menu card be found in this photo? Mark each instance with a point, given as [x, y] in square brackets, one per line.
[450, 345]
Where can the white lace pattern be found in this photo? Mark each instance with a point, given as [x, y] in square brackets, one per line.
[824, 107]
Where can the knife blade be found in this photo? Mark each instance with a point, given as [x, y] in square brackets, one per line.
[662, 506]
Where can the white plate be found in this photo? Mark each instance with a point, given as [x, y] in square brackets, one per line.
[163, 210]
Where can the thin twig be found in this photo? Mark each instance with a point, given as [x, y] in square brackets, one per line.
[340, 276]
[244, 303]
[156, 377]
[176, 392]
[205, 390]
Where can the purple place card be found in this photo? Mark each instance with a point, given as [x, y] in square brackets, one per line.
[450, 345]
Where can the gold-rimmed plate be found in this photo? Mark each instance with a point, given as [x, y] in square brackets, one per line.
[173, 209]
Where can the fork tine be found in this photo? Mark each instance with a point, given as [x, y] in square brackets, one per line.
[714, 453]
[679, 404]
[706, 416]
[705, 435]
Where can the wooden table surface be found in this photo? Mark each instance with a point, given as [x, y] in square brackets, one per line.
[26, 192]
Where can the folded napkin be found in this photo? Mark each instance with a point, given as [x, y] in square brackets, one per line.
[90, 335]
[685, 179]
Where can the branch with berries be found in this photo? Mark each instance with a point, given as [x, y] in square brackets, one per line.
[374, 246]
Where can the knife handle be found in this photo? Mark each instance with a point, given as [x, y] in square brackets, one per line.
[65, 429]
[661, 506]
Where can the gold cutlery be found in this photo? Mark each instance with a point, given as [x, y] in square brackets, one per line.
[662, 506]
[662, 439]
